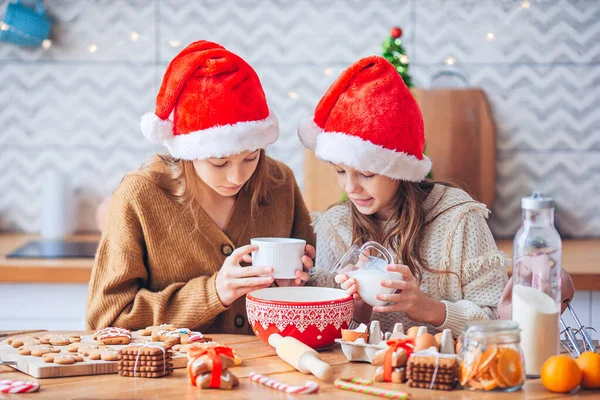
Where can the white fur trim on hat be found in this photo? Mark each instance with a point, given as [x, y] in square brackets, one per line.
[308, 131]
[363, 155]
[155, 129]
[224, 140]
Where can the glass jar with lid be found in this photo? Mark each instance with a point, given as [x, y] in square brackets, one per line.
[490, 357]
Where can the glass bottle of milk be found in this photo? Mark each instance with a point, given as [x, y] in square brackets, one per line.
[536, 292]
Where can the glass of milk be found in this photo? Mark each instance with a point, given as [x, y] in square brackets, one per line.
[366, 264]
[536, 293]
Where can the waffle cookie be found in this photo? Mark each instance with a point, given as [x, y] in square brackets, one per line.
[431, 371]
[159, 374]
[146, 361]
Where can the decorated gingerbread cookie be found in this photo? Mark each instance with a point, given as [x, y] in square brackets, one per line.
[113, 336]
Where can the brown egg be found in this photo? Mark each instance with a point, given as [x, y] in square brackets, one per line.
[412, 332]
[425, 341]
[350, 336]
[438, 338]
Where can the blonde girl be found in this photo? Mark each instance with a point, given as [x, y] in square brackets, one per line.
[178, 229]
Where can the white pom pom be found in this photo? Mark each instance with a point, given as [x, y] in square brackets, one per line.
[308, 131]
[155, 129]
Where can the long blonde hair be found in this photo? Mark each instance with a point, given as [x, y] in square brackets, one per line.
[179, 180]
[403, 231]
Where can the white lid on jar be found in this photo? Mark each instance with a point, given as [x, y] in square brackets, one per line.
[537, 202]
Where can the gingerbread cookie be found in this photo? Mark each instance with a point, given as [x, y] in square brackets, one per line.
[41, 349]
[113, 336]
[64, 359]
[145, 351]
[398, 358]
[131, 363]
[25, 350]
[109, 355]
[204, 364]
[74, 347]
[398, 375]
[436, 371]
[59, 341]
[148, 330]
[227, 382]
[146, 374]
[30, 340]
[145, 358]
[146, 368]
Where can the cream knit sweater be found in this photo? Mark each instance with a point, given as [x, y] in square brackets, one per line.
[459, 240]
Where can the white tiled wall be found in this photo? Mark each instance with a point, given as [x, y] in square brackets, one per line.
[68, 109]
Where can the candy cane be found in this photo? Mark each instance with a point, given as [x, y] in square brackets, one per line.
[366, 389]
[358, 381]
[309, 387]
[8, 386]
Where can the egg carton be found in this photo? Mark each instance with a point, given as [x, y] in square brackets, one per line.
[361, 350]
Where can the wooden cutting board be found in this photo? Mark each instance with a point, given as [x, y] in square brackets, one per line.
[460, 139]
[37, 368]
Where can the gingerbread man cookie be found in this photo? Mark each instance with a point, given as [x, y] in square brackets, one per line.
[113, 336]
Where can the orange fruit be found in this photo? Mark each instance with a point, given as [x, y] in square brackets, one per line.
[493, 369]
[476, 384]
[468, 367]
[510, 367]
[560, 374]
[589, 363]
[488, 356]
[487, 381]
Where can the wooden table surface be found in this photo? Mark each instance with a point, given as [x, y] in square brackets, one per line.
[581, 258]
[260, 358]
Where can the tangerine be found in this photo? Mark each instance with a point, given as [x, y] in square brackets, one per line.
[560, 374]
[510, 367]
[589, 363]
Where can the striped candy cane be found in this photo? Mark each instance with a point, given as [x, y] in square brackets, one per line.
[9, 386]
[367, 389]
[309, 387]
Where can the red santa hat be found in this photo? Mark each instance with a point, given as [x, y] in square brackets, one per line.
[369, 120]
[218, 105]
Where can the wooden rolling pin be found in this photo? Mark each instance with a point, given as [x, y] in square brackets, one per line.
[300, 356]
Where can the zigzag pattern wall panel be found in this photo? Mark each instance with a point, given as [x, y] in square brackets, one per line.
[75, 107]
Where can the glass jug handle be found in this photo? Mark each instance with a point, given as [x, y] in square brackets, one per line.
[382, 250]
[343, 261]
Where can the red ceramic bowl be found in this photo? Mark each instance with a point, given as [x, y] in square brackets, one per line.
[313, 315]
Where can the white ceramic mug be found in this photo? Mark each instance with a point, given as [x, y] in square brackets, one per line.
[283, 254]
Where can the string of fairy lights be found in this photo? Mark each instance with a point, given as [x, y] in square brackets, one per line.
[135, 36]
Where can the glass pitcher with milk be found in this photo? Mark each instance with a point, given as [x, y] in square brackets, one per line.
[366, 264]
[536, 292]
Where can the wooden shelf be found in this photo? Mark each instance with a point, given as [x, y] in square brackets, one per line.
[580, 258]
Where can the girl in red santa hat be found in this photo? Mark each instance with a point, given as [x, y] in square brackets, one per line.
[369, 127]
[178, 229]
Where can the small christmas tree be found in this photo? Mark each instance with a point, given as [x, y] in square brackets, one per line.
[394, 52]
